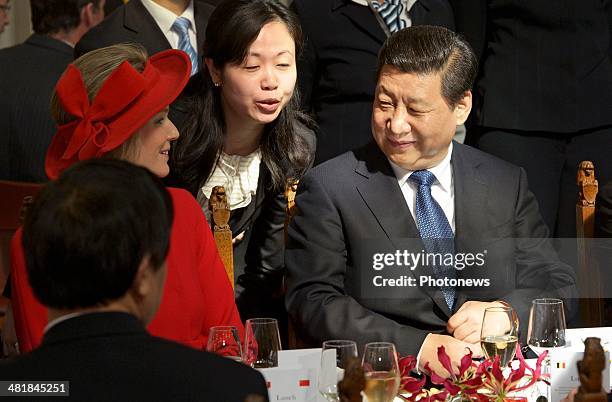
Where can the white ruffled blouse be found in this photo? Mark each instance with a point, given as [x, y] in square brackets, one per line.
[238, 175]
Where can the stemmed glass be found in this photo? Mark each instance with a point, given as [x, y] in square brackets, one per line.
[334, 358]
[261, 342]
[225, 341]
[546, 325]
[499, 334]
[381, 371]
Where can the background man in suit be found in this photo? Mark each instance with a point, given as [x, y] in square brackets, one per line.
[4, 16]
[29, 73]
[543, 97]
[337, 70]
[414, 189]
[156, 24]
[96, 242]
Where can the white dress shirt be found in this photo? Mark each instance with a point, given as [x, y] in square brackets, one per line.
[442, 190]
[165, 18]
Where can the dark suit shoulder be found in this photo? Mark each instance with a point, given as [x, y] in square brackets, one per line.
[139, 367]
[313, 8]
[204, 8]
[108, 32]
[478, 157]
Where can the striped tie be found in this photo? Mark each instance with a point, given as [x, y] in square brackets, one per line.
[436, 232]
[181, 27]
[390, 11]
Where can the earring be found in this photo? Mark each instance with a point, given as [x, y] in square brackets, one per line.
[217, 84]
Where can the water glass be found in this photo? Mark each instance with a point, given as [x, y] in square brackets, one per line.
[334, 358]
[225, 341]
[261, 342]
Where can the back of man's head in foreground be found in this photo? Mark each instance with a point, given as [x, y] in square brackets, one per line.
[98, 236]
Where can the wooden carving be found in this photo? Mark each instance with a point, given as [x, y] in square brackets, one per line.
[349, 389]
[290, 192]
[587, 185]
[590, 370]
[220, 212]
[589, 281]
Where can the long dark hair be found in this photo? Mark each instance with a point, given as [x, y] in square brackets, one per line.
[232, 28]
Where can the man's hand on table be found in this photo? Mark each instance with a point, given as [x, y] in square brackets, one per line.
[466, 323]
[455, 348]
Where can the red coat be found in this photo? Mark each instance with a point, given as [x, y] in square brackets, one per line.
[197, 293]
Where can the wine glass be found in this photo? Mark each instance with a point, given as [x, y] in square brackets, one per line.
[261, 342]
[381, 371]
[225, 341]
[546, 325]
[335, 356]
[499, 334]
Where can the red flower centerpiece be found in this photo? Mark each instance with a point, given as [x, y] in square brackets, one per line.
[484, 382]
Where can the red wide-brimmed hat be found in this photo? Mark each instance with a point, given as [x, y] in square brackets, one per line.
[124, 103]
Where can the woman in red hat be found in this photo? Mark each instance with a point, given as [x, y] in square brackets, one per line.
[113, 102]
[246, 134]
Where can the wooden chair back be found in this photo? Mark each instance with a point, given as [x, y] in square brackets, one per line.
[589, 278]
[220, 214]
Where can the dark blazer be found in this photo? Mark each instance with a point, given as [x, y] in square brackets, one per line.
[336, 74]
[110, 357]
[603, 212]
[352, 206]
[133, 23]
[544, 66]
[28, 74]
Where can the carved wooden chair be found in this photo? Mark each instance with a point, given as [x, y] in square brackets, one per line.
[220, 214]
[589, 277]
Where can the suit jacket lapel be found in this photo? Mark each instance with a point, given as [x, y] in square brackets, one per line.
[361, 16]
[470, 194]
[383, 195]
[201, 15]
[138, 20]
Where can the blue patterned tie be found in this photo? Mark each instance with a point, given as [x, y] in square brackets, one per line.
[390, 11]
[181, 27]
[435, 230]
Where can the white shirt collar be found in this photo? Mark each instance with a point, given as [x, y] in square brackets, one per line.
[62, 319]
[165, 18]
[442, 171]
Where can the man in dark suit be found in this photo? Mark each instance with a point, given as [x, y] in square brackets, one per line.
[29, 72]
[337, 70]
[413, 193]
[543, 98]
[149, 22]
[96, 242]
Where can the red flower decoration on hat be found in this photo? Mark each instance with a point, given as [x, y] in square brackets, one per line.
[89, 133]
